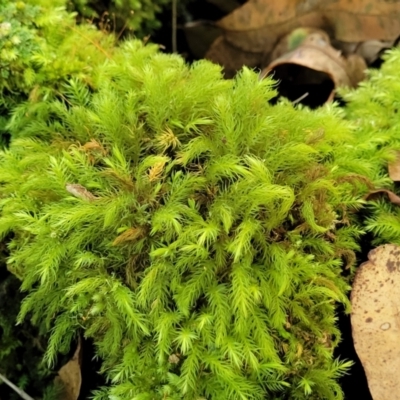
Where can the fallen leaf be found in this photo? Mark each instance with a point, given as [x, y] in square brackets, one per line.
[257, 24]
[70, 376]
[312, 68]
[394, 169]
[375, 320]
[373, 195]
[254, 28]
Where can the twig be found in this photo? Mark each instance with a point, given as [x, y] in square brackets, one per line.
[174, 27]
[16, 389]
[301, 98]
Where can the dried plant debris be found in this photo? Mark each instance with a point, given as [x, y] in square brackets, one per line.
[258, 24]
[251, 32]
[375, 320]
[308, 66]
[376, 194]
[70, 376]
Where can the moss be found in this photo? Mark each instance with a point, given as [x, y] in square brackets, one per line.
[195, 233]
[135, 16]
[201, 246]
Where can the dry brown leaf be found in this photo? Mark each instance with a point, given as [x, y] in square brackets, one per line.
[375, 320]
[257, 25]
[253, 29]
[70, 377]
[315, 56]
[311, 67]
[394, 168]
[375, 194]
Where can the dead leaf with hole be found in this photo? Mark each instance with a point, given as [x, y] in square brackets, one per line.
[312, 69]
[70, 377]
[376, 194]
[375, 320]
[256, 27]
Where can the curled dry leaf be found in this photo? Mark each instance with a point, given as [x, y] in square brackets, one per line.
[375, 320]
[375, 194]
[312, 66]
[69, 376]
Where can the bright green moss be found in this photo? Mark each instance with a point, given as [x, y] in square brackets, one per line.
[206, 259]
[374, 110]
[41, 47]
[196, 233]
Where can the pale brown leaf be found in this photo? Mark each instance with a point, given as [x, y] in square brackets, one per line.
[375, 194]
[375, 320]
[70, 377]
